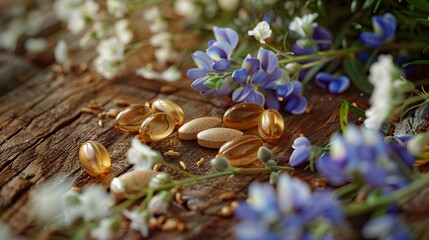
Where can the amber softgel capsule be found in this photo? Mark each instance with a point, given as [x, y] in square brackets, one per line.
[94, 158]
[271, 125]
[242, 116]
[241, 150]
[130, 119]
[157, 127]
[168, 106]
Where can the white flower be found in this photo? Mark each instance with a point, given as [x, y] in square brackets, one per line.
[187, 9]
[104, 230]
[63, 8]
[34, 24]
[138, 221]
[9, 37]
[304, 26]
[76, 22]
[161, 39]
[111, 49]
[89, 9]
[381, 76]
[261, 31]
[148, 73]
[118, 8]
[228, 5]
[61, 52]
[35, 45]
[71, 206]
[152, 14]
[107, 68]
[96, 32]
[123, 31]
[172, 74]
[95, 203]
[142, 156]
[165, 54]
[159, 203]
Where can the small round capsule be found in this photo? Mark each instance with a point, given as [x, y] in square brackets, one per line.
[130, 119]
[168, 106]
[241, 150]
[157, 127]
[271, 125]
[94, 158]
[242, 116]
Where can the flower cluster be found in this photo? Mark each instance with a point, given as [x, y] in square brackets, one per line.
[362, 154]
[294, 212]
[384, 31]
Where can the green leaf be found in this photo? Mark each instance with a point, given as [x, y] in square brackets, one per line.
[358, 78]
[355, 110]
[353, 6]
[377, 5]
[424, 21]
[210, 84]
[417, 62]
[426, 50]
[344, 116]
[421, 4]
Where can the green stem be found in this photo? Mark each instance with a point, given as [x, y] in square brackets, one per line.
[358, 208]
[338, 52]
[349, 188]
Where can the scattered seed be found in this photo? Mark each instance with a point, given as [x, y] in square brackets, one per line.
[100, 123]
[354, 104]
[183, 165]
[226, 211]
[170, 224]
[301, 135]
[160, 220]
[72, 66]
[57, 69]
[200, 162]
[101, 115]
[22, 78]
[157, 167]
[94, 105]
[83, 67]
[234, 205]
[168, 89]
[147, 104]
[153, 223]
[88, 110]
[227, 196]
[89, 78]
[309, 110]
[171, 153]
[113, 112]
[174, 190]
[181, 227]
[76, 189]
[360, 119]
[121, 102]
[178, 198]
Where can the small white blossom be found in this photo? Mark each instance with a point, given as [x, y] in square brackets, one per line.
[62, 53]
[111, 49]
[161, 39]
[304, 26]
[104, 230]
[118, 8]
[172, 74]
[261, 32]
[9, 37]
[89, 9]
[63, 8]
[142, 156]
[107, 68]
[228, 5]
[71, 206]
[95, 203]
[138, 221]
[34, 24]
[158, 26]
[159, 203]
[187, 9]
[76, 22]
[148, 73]
[35, 45]
[95, 33]
[152, 14]
[165, 54]
[123, 31]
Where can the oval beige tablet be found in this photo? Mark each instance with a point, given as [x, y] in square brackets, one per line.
[130, 182]
[216, 137]
[190, 129]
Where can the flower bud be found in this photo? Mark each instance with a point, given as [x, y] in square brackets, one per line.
[220, 164]
[159, 179]
[159, 203]
[264, 154]
[270, 163]
[416, 145]
[274, 177]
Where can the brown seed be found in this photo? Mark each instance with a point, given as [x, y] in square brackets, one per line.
[160, 220]
[72, 65]
[200, 162]
[354, 104]
[227, 196]
[89, 78]
[168, 89]
[88, 110]
[226, 211]
[94, 105]
[76, 189]
[178, 198]
[121, 102]
[301, 135]
[170, 224]
[113, 112]
[171, 153]
[183, 165]
[83, 67]
[100, 123]
[309, 110]
[22, 78]
[57, 69]
[152, 223]
[101, 115]
[234, 205]
[181, 227]
[174, 190]
[157, 167]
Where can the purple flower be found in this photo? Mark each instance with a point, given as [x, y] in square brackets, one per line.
[293, 212]
[362, 152]
[290, 92]
[320, 41]
[387, 227]
[301, 153]
[332, 84]
[384, 30]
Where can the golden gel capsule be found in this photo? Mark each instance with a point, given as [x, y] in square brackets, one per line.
[157, 127]
[94, 158]
[242, 116]
[130, 119]
[271, 125]
[242, 150]
[165, 105]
